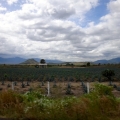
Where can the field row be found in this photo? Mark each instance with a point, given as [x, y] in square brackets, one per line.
[60, 74]
[57, 89]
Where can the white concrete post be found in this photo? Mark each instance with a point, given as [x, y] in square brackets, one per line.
[88, 87]
[48, 89]
[12, 85]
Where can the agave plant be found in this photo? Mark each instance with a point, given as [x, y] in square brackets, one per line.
[108, 74]
[68, 90]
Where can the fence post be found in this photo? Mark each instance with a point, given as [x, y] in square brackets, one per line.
[12, 85]
[48, 89]
[88, 87]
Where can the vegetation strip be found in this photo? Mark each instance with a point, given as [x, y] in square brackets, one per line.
[99, 104]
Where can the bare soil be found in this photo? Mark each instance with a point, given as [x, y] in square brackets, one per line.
[56, 90]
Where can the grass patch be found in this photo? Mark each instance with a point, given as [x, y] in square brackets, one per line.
[100, 104]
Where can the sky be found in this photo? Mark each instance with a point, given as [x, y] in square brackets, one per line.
[68, 30]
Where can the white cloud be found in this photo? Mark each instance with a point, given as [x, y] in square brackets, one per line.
[2, 8]
[10, 2]
[48, 29]
[114, 6]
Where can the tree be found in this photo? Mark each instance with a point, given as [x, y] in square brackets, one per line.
[108, 74]
[72, 65]
[88, 63]
[42, 61]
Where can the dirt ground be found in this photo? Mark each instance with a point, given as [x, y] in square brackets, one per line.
[57, 89]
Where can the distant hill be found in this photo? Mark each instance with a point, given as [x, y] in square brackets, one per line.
[15, 60]
[101, 61]
[30, 61]
[18, 60]
[111, 61]
[114, 60]
[49, 61]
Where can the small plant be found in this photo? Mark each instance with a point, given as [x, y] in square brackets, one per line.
[15, 83]
[8, 85]
[42, 83]
[68, 91]
[5, 75]
[23, 85]
[82, 83]
[68, 85]
[114, 86]
[66, 78]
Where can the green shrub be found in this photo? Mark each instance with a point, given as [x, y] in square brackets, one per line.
[108, 74]
[100, 90]
[99, 104]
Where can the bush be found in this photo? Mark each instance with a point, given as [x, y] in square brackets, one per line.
[100, 104]
[11, 104]
[108, 73]
[101, 90]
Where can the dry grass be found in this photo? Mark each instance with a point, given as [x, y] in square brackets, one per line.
[92, 106]
[11, 104]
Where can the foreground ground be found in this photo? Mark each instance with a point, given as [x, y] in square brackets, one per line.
[57, 89]
[100, 104]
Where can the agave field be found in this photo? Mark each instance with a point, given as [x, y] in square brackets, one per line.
[63, 81]
[23, 94]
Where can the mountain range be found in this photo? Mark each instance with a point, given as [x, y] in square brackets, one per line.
[111, 61]
[18, 60]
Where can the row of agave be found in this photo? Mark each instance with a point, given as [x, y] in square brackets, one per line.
[57, 72]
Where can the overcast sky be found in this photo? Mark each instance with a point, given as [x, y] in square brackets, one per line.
[68, 30]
